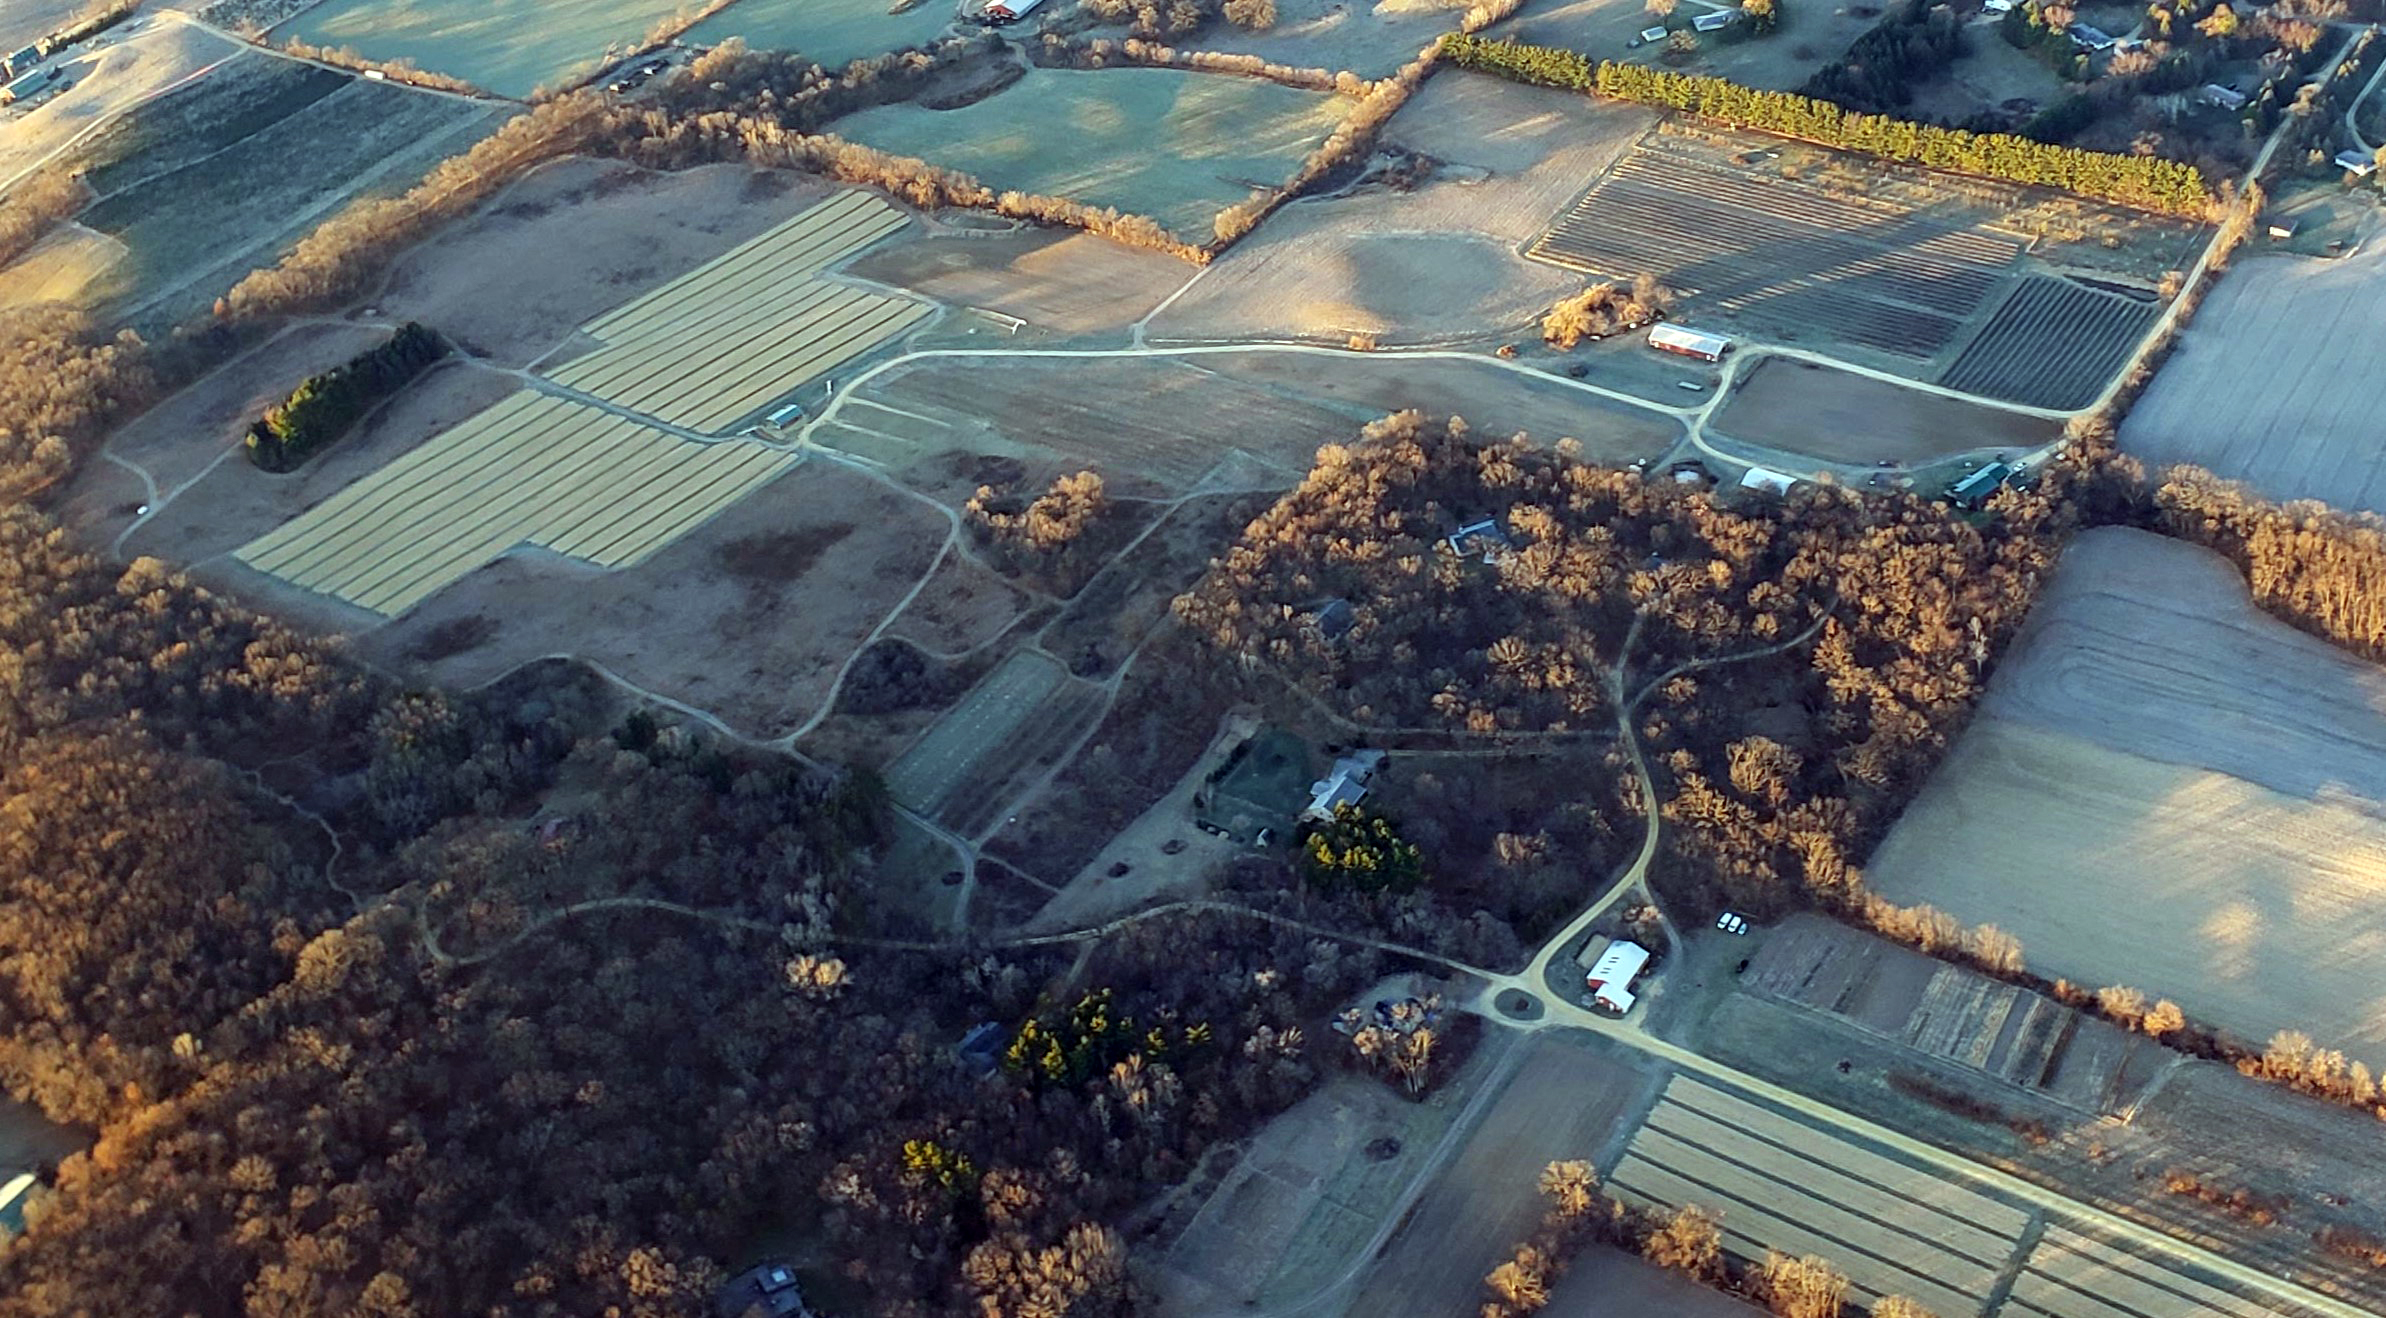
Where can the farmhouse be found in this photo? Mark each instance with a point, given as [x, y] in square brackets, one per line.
[2219, 97]
[770, 1290]
[28, 85]
[1610, 978]
[1689, 342]
[18, 64]
[1346, 785]
[2091, 38]
[1484, 537]
[1973, 490]
[1007, 11]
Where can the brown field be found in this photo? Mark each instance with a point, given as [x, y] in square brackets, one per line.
[1604, 1283]
[750, 616]
[1564, 1101]
[2156, 746]
[1434, 265]
[1838, 416]
[72, 264]
[576, 239]
[105, 82]
[2274, 384]
[960, 608]
[1068, 284]
[1370, 39]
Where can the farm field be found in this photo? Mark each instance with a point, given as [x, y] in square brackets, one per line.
[1176, 146]
[750, 616]
[1562, 1100]
[193, 232]
[572, 241]
[162, 56]
[1602, 29]
[22, 22]
[1778, 1183]
[2155, 744]
[1435, 264]
[829, 32]
[532, 470]
[2274, 383]
[1067, 284]
[1604, 1282]
[2070, 1275]
[244, 97]
[2053, 343]
[721, 342]
[1838, 416]
[510, 47]
[70, 264]
[950, 773]
[1369, 39]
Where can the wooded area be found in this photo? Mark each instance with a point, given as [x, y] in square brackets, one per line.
[323, 407]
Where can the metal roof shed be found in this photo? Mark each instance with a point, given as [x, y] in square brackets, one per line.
[1689, 342]
[1611, 976]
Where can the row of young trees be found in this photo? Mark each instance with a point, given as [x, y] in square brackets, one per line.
[323, 407]
[2145, 182]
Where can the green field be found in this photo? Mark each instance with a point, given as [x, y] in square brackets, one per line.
[1176, 146]
[191, 232]
[510, 47]
[830, 32]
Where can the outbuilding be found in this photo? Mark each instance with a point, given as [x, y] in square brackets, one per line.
[2359, 164]
[1765, 478]
[1008, 11]
[1610, 978]
[2223, 98]
[1687, 342]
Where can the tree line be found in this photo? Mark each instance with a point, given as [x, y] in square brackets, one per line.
[2144, 182]
[323, 407]
[35, 206]
[1913, 43]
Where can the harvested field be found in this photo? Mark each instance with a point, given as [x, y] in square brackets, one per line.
[2275, 384]
[534, 470]
[1435, 264]
[1067, 283]
[720, 343]
[1838, 416]
[2071, 1275]
[1176, 146]
[1778, 1183]
[1563, 1100]
[2053, 343]
[1369, 39]
[960, 608]
[510, 47]
[71, 264]
[1819, 262]
[574, 239]
[985, 723]
[750, 616]
[246, 96]
[193, 232]
[2155, 744]
[830, 32]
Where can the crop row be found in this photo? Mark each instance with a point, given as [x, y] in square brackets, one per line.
[2053, 344]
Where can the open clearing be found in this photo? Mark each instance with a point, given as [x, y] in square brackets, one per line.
[1069, 284]
[2156, 745]
[1778, 1183]
[719, 343]
[1838, 416]
[1603, 1282]
[1435, 264]
[2276, 383]
[750, 616]
[572, 241]
[829, 32]
[510, 47]
[1176, 146]
[534, 470]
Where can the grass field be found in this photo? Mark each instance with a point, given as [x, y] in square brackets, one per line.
[510, 47]
[830, 32]
[183, 127]
[1838, 416]
[2053, 343]
[1777, 1183]
[532, 470]
[2274, 384]
[719, 343]
[1603, 29]
[1068, 284]
[192, 232]
[1176, 146]
[2156, 746]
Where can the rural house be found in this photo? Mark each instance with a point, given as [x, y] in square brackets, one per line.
[1346, 785]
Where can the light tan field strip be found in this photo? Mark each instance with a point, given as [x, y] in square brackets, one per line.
[533, 469]
[722, 341]
[2072, 1276]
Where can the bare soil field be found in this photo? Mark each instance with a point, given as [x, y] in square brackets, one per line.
[1435, 264]
[961, 607]
[162, 56]
[2154, 744]
[750, 616]
[2274, 384]
[1164, 854]
[576, 239]
[1564, 1100]
[1371, 40]
[1838, 416]
[1068, 284]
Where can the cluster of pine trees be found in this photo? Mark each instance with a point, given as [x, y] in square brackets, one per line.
[2145, 182]
[323, 407]
[1913, 43]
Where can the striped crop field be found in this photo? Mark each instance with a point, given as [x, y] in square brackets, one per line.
[532, 470]
[2073, 1276]
[2053, 344]
[725, 339]
[1777, 1183]
[1866, 270]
